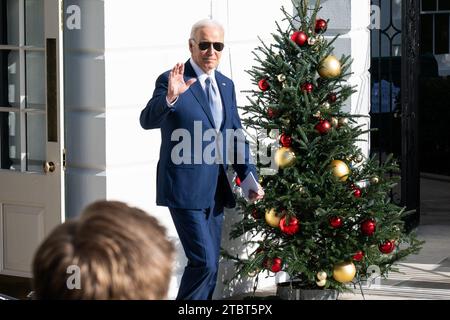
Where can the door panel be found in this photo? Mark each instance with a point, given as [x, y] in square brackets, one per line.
[18, 253]
[31, 129]
[386, 80]
[394, 105]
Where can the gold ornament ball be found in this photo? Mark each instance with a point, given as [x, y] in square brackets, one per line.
[340, 169]
[284, 157]
[325, 105]
[301, 189]
[330, 67]
[343, 122]
[281, 77]
[321, 283]
[334, 122]
[321, 275]
[375, 180]
[344, 272]
[312, 41]
[273, 218]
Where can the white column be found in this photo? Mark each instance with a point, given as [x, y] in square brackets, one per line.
[351, 19]
[84, 78]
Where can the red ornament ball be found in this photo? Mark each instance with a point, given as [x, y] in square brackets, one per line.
[263, 85]
[255, 214]
[387, 247]
[274, 265]
[285, 140]
[368, 227]
[238, 181]
[321, 26]
[332, 97]
[358, 256]
[271, 113]
[323, 126]
[336, 222]
[357, 192]
[300, 38]
[308, 87]
[292, 227]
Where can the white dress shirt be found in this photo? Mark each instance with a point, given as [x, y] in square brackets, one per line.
[201, 76]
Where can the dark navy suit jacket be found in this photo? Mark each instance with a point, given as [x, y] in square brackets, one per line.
[194, 185]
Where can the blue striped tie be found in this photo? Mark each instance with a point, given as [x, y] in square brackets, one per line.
[215, 107]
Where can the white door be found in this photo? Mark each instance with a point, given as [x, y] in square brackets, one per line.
[31, 141]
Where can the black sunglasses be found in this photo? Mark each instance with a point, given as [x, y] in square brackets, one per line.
[204, 45]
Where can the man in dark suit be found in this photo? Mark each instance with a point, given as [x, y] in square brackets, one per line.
[194, 101]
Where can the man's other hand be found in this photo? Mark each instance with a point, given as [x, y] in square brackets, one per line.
[258, 195]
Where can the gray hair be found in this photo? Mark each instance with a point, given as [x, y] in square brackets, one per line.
[205, 23]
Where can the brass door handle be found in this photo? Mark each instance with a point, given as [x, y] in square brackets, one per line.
[49, 166]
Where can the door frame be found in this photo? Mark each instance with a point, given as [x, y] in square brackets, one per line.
[410, 68]
[44, 207]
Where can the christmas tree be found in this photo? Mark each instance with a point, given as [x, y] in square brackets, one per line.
[326, 218]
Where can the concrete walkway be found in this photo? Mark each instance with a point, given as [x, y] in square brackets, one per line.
[425, 276]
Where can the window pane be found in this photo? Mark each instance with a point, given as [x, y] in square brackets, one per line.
[13, 79]
[426, 33]
[4, 99]
[385, 19]
[36, 152]
[397, 14]
[375, 48]
[444, 5]
[11, 24]
[34, 23]
[10, 141]
[397, 45]
[441, 33]
[35, 90]
[429, 5]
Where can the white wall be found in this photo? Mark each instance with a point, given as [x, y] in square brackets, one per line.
[112, 64]
[140, 44]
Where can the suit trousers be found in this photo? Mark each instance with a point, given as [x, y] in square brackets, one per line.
[200, 232]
